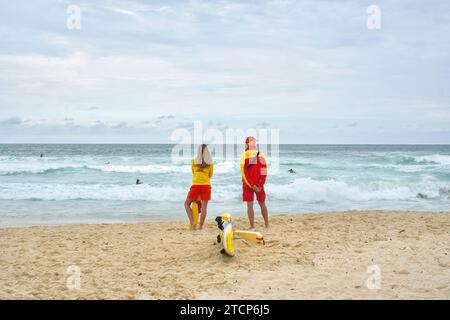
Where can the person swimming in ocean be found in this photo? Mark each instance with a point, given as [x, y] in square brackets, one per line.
[42, 155]
[291, 171]
[138, 182]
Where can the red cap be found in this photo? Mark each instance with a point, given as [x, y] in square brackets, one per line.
[250, 141]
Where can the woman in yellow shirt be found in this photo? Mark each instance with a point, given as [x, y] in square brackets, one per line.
[202, 170]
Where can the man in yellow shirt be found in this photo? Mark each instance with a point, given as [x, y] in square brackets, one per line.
[254, 174]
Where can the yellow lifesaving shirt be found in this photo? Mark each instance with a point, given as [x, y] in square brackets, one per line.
[202, 176]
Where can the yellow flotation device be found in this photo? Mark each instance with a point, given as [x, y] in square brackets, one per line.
[250, 236]
[225, 224]
[196, 209]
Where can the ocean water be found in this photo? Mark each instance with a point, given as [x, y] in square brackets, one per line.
[96, 183]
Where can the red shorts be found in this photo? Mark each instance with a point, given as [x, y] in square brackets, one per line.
[199, 193]
[248, 194]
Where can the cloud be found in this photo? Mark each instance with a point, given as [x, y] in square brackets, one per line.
[166, 117]
[94, 132]
[159, 121]
[123, 11]
[98, 124]
[263, 124]
[12, 121]
[119, 125]
[185, 125]
[225, 59]
[68, 121]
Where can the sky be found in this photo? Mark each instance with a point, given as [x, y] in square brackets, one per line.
[138, 71]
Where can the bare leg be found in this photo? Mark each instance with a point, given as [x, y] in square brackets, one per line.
[251, 214]
[204, 213]
[265, 213]
[187, 207]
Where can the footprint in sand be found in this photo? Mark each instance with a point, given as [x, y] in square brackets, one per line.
[403, 271]
[443, 262]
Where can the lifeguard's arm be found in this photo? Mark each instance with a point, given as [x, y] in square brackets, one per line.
[192, 166]
[263, 168]
[245, 176]
[211, 170]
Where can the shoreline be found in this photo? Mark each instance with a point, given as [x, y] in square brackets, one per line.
[211, 217]
[313, 255]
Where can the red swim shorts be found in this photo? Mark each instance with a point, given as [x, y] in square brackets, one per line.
[248, 194]
[199, 193]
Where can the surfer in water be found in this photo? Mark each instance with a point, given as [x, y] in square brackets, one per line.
[138, 182]
[202, 171]
[254, 174]
[291, 171]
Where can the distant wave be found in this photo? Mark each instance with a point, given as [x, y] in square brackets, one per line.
[371, 159]
[331, 190]
[223, 167]
[151, 168]
[46, 170]
[434, 159]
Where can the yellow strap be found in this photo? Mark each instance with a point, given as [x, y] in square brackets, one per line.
[247, 154]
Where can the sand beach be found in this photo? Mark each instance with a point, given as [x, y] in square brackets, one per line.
[311, 256]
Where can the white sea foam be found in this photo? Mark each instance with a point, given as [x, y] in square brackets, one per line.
[55, 192]
[310, 190]
[434, 159]
[301, 190]
[151, 168]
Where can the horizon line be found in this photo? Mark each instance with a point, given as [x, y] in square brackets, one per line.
[303, 144]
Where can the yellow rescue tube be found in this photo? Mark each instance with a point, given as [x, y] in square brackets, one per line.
[227, 238]
[249, 236]
[195, 206]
